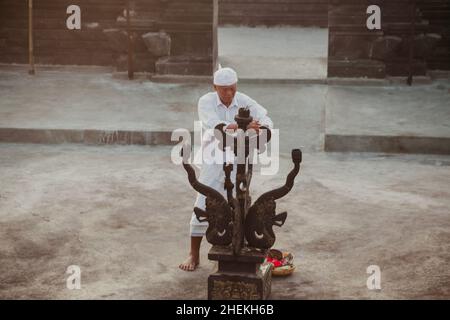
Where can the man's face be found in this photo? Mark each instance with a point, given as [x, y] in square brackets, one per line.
[226, 93]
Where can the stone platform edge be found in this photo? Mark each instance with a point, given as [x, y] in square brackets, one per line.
[333, 142]
[387, 144]
[85, 136]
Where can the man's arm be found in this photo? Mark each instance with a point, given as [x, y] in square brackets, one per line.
[208, 115]
[259, 113]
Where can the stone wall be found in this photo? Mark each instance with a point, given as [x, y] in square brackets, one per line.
[54, 43]
[348, 41]
[437, 13]
[187, 27]
[102, 38]
[274, 12]
[356, 51]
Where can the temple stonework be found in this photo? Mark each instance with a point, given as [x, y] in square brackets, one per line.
[102, 40]
[304, 13]
[355, 51]
[178, 37]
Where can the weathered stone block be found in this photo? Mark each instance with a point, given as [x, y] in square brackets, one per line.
[424, 44]
[141, 62]
[117, 40]
[184, 65]
[356, 69]
[384, 47]
[158, 43]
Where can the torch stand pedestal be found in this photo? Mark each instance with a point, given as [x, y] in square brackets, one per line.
[239, 277]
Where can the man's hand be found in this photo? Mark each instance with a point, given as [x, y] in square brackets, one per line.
[254, 125]
[232, 126]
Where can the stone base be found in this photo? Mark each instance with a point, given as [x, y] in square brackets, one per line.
[400, 67]
[239, 277]
[228, 286]
[85, 136]
[182, 65]
[356, 68]
[386, 144]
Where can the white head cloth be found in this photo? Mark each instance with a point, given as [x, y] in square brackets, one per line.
[225, 77]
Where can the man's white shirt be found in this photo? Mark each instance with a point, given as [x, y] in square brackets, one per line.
[211, 112]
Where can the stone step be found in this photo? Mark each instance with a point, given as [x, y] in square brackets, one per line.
[87, 136]
[273, 12]
[271, 20]
[333, 142]
[387, 144]
[184, 66]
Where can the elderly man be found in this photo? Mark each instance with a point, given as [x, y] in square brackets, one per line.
[215, 108]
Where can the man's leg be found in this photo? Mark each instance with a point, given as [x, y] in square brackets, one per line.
[197, 231]
[193, 259]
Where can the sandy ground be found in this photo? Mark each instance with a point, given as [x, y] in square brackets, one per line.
[121, 213]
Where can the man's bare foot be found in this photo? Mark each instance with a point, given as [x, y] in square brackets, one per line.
[190, 264]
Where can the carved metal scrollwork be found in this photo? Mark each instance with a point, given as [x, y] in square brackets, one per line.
[218, 213]
[261, 216]
[232, 219]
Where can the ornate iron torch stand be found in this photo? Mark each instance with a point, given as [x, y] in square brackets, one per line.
[240, 234]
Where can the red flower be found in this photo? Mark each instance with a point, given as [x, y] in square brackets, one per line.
[276, 263]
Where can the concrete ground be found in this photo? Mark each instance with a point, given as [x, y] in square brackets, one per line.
[81, 100]
[121, 213]
[389, 119]
[399, 110]
[274, 53]
[93, 99]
